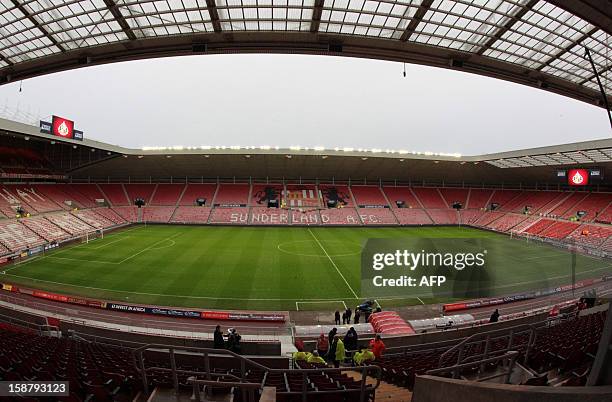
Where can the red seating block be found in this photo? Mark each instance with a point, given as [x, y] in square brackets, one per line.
[234, 216]
[269, 216]
[167, 194]
[232, 195]
[115, 194]
[368, 196]
[189, 214]
[430, 198]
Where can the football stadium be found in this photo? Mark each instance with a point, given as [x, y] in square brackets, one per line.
[305, 273]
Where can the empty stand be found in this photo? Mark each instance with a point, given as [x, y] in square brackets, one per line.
[336, 193]
[45, 229]
[377, 216]
[395, 194]
[559, 230]
[506, 222]
[300, 196]
[70, 223]
[115, 194]
[305, 217]
[110, 215]
[412, 216]
[444, 216]
[262, 193]
[232, 195]
[470, 216]
[55, 194]
[592, 204]
[190, 214]
[269, 216]
[37, 201]
[593, 235]
[503, 197]
[16, 237]
[558, 346]
[479, 198]
[144, 191]
[522, 226]
[489, 217]
[167, 194]
[90, 192]
[539, 226]
[234, 216]
[10, 202]
[193, 192]
[567, 204]
[74, 197]
[157, 214]
[430, 198]
[368, 196]
[535, 201]
[339, 216]
[452, 195]
[130, 214]
[94, 220]
[94, 372]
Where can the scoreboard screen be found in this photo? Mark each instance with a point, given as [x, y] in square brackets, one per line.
[580, 176]
[62, 127]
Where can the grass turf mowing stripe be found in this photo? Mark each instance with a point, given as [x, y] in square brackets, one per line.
[243, 267]
[333, 263]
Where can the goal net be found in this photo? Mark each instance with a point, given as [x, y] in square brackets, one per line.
[91, 236]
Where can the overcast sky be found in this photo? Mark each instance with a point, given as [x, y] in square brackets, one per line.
[309, 101]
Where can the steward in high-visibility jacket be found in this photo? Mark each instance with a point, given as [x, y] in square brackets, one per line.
[315, 358]
[364, 356]
[300, 356]
[340, 352]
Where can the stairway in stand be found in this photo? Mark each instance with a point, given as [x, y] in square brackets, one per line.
[385, 392]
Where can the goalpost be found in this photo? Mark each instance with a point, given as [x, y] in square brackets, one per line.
[91, 236]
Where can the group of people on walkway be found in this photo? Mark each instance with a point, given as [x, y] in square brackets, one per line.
[333, 349]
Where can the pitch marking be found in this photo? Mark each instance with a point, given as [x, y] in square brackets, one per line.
[333, 263]
[149, 248]
[280, 248]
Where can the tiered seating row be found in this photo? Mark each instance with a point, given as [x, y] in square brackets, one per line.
[157, 214]
[16, 237]
[70, 223]
[45, 229]
[185, 214]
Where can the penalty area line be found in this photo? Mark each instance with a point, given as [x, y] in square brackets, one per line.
[305, 301]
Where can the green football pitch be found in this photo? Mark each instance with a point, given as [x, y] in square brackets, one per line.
[263, 268]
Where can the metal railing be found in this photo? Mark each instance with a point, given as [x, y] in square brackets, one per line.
[488, 337]
[241, 380]
[456, 369]
[39, 329]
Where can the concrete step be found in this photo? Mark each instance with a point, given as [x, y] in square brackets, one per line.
[385, 391]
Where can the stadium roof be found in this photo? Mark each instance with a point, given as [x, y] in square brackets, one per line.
[89, 159]
[532, 42]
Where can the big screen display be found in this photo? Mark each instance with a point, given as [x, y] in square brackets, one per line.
[578, 177]
[62, 127]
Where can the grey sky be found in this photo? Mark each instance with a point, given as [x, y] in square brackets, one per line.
[310, 101]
